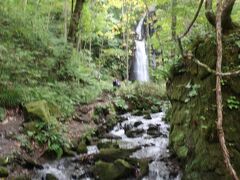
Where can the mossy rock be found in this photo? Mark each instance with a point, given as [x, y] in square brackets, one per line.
[51, 177]
[108, 144]
[112, 154]
[30, 126]
[82, 148]
[134, 133]
[182, 152]
[3, 172]
[142, 164]
[41, 110]
[109, 171]
[147, 116]
[3, 161]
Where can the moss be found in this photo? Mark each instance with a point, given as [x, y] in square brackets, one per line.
[82, 148]
[31, 126]
[112, 154]
[109, 171]
[142, 164]
[41, 110]
[193, 134]
[2, 114]
[105, 145]
[51, 177]
[182, 152]
[3, 172]
[3, 161]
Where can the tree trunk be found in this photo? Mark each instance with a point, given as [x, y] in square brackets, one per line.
[73, 28]
[226, 19]
[219, 92]
[174, 20]
[65, 20]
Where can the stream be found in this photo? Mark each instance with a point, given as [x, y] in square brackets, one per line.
[150, 137]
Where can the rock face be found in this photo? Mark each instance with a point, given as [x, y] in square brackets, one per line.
[191, 90]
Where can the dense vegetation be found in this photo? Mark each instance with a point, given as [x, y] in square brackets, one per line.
[57, 57]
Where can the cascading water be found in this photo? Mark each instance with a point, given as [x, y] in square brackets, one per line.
[150, 138]
[139, 68]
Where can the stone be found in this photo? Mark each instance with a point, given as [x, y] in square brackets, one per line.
[138, 123]
[134, 133]
[3, 172]
[3, 161]
[112, 154]
[153, 130]
[42, 110]
[109, 171]
[108, 144]
[51, 177]
[147, 116]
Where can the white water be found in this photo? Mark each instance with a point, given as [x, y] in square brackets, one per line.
[140, 64]
[154, 148]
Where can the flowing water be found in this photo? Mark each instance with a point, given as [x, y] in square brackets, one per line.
[139, 69]
[152, 141]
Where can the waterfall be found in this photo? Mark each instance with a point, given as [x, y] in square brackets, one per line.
[139, 68]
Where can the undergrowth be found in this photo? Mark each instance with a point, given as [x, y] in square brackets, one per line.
[141, 98]
[37, 64]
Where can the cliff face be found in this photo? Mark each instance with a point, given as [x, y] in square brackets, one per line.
[191, 90]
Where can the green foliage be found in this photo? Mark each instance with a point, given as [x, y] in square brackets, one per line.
[192, 91]
[120, 104]
[2, 114]
[233, 103]
[143, 97]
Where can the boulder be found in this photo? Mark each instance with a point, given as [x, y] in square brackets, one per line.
[51, 177]
[134, 133]
[109, 171]
[3, 172]
[138, 123]
[42, 110]
[153, 130]
[3, 161]
[112, 154]
[108, 144]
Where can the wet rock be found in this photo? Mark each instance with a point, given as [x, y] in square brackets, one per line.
[68, 152]
[112, 154]
[111, 136]
[147, 116]
[140, 165]
[134, 133]
[51, 177]
[104, 145]
[153, 130]
[117, 170]
[138, 123]
[3, 172]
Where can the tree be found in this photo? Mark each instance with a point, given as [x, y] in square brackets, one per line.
[221, 8]
[73, 28]
[226, 20]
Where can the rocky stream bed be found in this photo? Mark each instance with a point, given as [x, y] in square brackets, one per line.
[136, 148]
